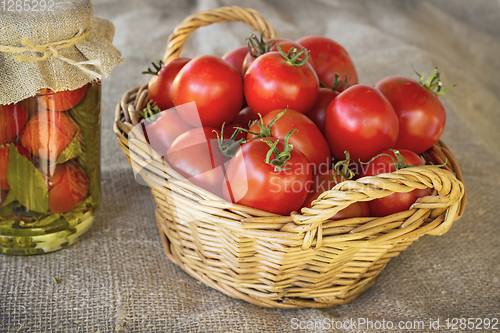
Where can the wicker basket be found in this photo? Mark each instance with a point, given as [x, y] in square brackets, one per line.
[301, 260]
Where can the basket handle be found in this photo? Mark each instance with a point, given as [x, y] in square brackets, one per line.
[249, 16]
[450, 192]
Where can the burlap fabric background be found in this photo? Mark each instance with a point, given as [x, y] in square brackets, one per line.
[117, 278]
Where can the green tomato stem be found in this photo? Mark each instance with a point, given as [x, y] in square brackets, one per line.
[264, 131]
[342, 168]
[280, 158]
[399, 162]
[336, 84]
[150, 111]
[259, 46]
[229, 147]
[157, 67]
[292, 58]
[434, 82]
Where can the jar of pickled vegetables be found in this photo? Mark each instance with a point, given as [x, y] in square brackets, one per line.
[50, 112]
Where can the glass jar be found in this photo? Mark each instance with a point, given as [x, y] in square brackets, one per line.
[49, 169]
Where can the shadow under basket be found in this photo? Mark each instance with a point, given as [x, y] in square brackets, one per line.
[295, 261]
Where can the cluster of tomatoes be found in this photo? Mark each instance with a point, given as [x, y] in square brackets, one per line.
[273, 124]
[34, 134]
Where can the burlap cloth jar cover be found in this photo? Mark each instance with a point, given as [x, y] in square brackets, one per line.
[62, 48]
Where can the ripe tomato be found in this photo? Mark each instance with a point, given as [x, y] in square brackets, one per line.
[421, 115]
[61, 100]
[48, 133]
[216, 88]
[326, 181]
[13, 118]
[385, 163]
[4, 163]
[253, 181]
[360, 120]
[163, 129]
[160, 85]
[196, 155]
[273, 82]
[236, 56]
[330, 58]
[308, 138]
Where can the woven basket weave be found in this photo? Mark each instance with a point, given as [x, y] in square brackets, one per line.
[301, 260]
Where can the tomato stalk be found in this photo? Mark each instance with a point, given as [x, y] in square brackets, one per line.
[336, 84]
[342, 168]
[157, 67]
[151, 110]
[280, 158]
[292, 58]
[264, 131]
[228, 147]
[433, 82]
[259, 46]
[399, 162]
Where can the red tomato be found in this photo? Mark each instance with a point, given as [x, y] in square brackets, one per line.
[254, 183]
[236, 56]
[13, 118]
[48, 133]
[4, 163]
[330, 58]
[326, 181]
[421, 115]
[396, 202]
[308, 139]
[160, 85]
[360, 120]
[272, 83]
[163, 129]
[68, 187]
[216, 88]
[318, 111]
[196, 155]
[61, 100]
